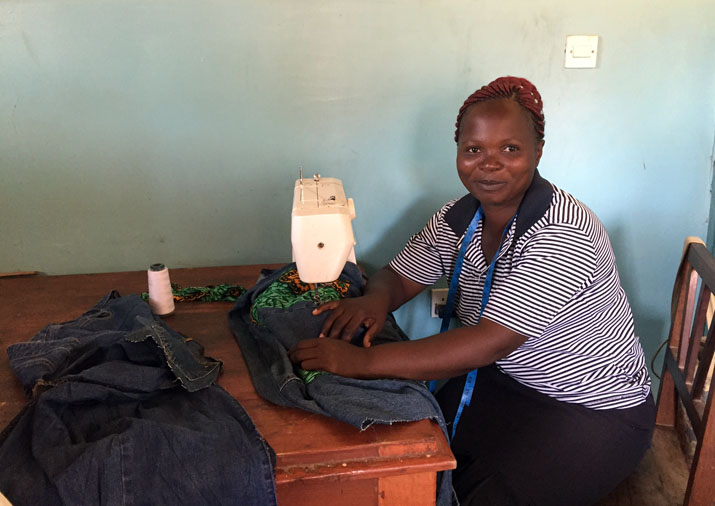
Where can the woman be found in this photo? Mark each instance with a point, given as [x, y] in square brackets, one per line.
[560, 410]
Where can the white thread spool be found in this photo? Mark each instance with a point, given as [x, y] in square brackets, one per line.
[161, 299]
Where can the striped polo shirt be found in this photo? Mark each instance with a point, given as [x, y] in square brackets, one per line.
[556, 283]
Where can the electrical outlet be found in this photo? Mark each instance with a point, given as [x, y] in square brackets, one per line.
[438, 301]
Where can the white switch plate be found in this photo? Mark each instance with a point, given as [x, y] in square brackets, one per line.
[581, 51]
[439, 298]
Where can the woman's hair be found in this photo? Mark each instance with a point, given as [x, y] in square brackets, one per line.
[517, 89]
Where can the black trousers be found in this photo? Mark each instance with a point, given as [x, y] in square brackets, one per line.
[516, 447]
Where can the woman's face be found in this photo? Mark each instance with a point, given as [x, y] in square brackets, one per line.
[497, 152]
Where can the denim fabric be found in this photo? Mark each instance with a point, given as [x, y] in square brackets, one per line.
[104, 334]
[357, 402]
[117, 418]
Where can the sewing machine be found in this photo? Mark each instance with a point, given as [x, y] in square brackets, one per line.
[321, 228]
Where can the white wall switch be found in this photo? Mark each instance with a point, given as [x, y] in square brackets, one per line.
[581, 51]
[438, 301]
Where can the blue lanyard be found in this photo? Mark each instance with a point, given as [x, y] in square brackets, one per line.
[449, 307]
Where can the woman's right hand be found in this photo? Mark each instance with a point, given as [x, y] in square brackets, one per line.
[348, 315]
[385, 292]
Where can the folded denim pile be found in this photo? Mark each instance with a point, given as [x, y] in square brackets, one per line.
[125, 411]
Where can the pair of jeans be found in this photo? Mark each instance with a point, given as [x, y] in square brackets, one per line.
[105, 334]
[355, 401]
[124, 411]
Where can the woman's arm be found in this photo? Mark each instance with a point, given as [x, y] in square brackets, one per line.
[443, 355]
[385, 291]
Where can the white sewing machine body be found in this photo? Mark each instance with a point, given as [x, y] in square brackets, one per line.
[321, 229]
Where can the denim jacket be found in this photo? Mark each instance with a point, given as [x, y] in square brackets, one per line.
[355, 401]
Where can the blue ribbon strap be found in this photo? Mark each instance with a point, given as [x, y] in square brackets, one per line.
[454, 282]
[449, 306]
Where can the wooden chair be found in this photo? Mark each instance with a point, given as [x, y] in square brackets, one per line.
[687, 381]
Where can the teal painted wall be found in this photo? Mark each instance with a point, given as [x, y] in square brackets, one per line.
[133, 132]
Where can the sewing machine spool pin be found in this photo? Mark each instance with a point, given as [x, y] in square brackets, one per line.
[316, 178]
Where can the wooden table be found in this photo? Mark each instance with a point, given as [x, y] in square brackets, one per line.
[319, 460]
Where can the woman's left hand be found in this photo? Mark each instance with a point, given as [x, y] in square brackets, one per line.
[330, 355]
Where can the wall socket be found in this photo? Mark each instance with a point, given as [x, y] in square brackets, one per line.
[438, 301]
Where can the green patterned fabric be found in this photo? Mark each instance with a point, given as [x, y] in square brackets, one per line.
[211, 293]
[280, 295]
[308, 376]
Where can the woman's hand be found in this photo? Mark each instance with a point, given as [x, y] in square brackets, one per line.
[330, 355]
[347, 315]
[385, 292]
[444, 355]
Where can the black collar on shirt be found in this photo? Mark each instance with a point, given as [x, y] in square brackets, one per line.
[536, 201]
